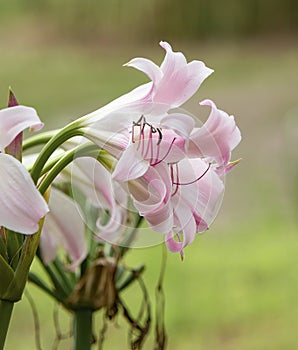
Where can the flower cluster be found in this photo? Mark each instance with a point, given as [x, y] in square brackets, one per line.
[95, 180]
[155, 155]
[171, 168]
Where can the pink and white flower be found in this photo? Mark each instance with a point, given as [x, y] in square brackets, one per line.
[172, 168]
[172, 84]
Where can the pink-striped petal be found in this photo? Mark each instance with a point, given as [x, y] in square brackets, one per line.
[180, 79]
[216, 138]
[13, 120]
[21, 205]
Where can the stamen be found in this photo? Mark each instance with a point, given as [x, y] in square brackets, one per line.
[148, 148]
[139, 121]
[149, 144]
[160, 136]
[172, 178]
[171, 145]
[191, 182]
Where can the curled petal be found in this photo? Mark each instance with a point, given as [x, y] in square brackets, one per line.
[21, 205]
[13, 120]
[173, 61]
[216, 138]
[148, 67]
[161, 220]
[95, 181]
[153, 190]
[173, 245]
[185, 222]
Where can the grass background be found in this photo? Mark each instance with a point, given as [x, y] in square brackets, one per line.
[238, 286]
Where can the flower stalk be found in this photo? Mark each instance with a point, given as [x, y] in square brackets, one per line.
[82, 327]
[6, 308]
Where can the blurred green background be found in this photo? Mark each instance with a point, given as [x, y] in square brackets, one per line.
[238, 286]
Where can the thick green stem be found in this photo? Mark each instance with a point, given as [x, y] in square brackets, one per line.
[63, 135]
[6, 308]
[82, 328]
[87, 149]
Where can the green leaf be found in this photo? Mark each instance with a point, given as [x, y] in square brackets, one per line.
[3, 251]
[7, 275]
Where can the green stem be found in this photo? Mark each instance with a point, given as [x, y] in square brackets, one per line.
[39, 139]
[63, 135]
[86, 149]
[82, 329]
[6, 308]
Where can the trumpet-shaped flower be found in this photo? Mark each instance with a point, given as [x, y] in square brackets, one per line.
[172, 84]
[21, 205]
[172, 167]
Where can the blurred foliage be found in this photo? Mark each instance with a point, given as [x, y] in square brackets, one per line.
[136, 20]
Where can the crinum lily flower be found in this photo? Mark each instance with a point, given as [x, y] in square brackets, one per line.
[173, 83]
[21, 205]
[154, 148]
[133, 122]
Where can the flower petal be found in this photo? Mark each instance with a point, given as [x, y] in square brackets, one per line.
[216, 138]
[180, 79]
[173, 245]
[182, 124]
[173, 61]
[21, 205]
[13, 120]
[185, 222]
[152, 190]
[48, 244]
[146, 66]
[203, 197]
[66, 225]
[95, 181]
[130, 166]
